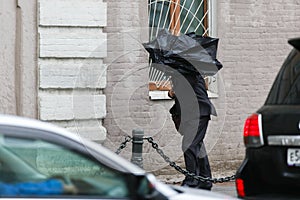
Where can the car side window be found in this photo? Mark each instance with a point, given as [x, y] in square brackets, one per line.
[293, 97]
[285, 89]
[39, 164]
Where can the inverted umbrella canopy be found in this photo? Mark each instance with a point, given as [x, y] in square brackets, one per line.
[188, 53]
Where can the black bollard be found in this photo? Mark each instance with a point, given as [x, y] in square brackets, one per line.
[137, 147]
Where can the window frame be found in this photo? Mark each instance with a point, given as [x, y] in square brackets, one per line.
[22, 133]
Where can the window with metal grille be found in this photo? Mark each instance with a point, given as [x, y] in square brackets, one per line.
[180, 17]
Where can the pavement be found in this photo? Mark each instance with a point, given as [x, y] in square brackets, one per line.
[227, 188]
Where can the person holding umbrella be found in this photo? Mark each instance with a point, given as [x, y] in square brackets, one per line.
[186, 58]
[191, 114]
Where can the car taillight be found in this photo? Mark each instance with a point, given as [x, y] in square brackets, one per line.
[239, 183]
[253, 131]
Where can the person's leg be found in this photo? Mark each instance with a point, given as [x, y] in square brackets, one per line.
[204, 169]
[202, 158]
[198, 166]
[194, 153]
[195, 157]
[189, 131]
[190, 164]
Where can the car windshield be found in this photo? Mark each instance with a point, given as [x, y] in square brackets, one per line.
[286, 88]
[28, 162]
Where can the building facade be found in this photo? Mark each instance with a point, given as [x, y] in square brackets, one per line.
[81, 65]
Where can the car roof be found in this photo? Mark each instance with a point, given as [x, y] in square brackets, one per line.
[44, 127]
[295, 42]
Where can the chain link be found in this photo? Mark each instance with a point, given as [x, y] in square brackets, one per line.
[183, 171]
[173, 164]
[123, 144]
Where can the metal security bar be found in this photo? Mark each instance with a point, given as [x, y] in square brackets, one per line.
[178, 15]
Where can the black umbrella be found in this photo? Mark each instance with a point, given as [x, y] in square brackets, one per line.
[188, 53]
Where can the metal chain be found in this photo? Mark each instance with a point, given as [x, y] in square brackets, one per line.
[123, 144]
[183, 171]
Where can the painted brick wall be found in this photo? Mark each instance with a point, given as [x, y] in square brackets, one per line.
[253, 44]
[72, 75]
[7, 61]
[18, 58]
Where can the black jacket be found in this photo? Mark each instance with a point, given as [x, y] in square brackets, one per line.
[191, 101]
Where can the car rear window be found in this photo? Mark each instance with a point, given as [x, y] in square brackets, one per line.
[286, 88]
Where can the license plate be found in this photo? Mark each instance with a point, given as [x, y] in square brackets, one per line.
[293, 157]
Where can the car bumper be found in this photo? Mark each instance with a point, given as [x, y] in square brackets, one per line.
[265, 170]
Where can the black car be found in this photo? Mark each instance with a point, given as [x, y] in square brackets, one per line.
[271, 167]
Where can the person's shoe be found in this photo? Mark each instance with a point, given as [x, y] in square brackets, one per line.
[189, 182]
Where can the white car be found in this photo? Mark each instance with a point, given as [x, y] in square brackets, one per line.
[34, 152]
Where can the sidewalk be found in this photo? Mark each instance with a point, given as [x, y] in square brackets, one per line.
[227, 188]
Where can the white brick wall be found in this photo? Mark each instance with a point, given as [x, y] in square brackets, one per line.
[72, 42]
[72, 106]
[90, 13]
[72, 75]
[18, 74]
[253, 45]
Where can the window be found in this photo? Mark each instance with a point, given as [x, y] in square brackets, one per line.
[286, 87]
[28, 161]
[178, 16]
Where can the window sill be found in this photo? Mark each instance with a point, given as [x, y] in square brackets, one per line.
[163, 95]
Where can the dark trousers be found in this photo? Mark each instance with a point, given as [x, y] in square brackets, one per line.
[195, 155]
